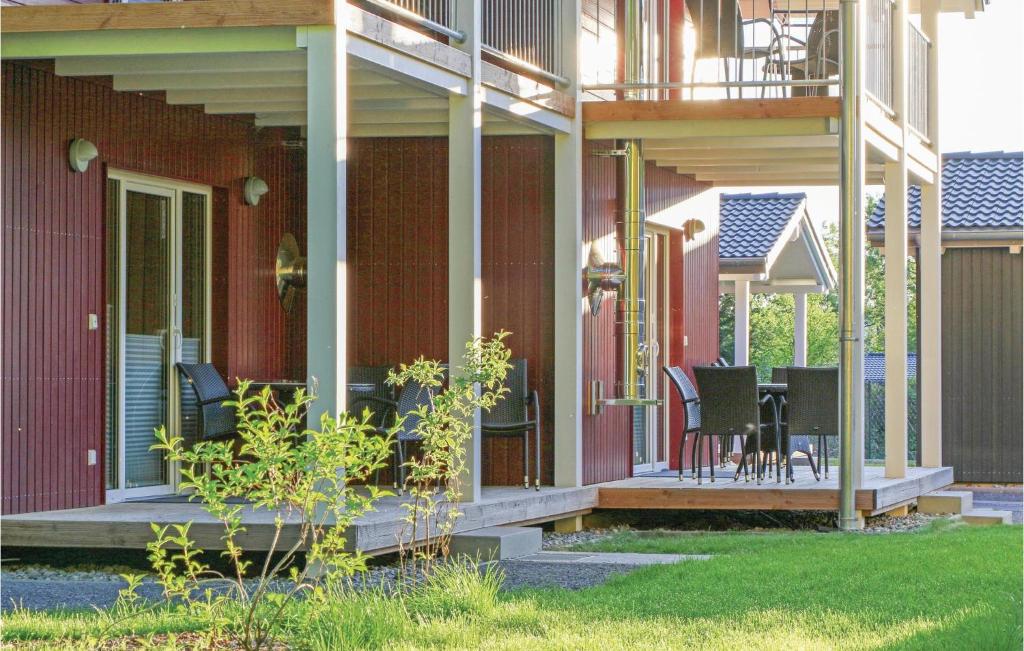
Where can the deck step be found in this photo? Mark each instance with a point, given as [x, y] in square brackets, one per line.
[946, 502]
[497, 543]
[987, 516]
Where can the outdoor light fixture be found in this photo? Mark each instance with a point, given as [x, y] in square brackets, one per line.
[601, 277]
[691, 227]
[290, 271]
[80, 153]
[254, 188]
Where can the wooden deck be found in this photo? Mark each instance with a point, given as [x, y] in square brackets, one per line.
[127, 525]
[877, 494]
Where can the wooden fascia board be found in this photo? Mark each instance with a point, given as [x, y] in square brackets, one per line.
[731, 109]
[165, 15]
[527, 89]
[722, 128]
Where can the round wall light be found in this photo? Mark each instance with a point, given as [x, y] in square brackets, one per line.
[254, 188]
[80, 153]
[691, 227]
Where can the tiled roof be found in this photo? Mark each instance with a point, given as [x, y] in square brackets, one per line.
[983, 191]
[751, 224]
[874, 366]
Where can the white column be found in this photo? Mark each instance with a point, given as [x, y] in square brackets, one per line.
[800, 329]
[896, 319]
[741, 326]
[326, 121]
[930, 266]
[465, 315]
[568, 271]
[896, 265]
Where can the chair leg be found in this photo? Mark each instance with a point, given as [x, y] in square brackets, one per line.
[711, 456]
[401, 468]
[682, 448]
[757, 466]
[825, 447]
[698, 463]
[526, 461]
[536, 469]
[814, 469]
[695, 455]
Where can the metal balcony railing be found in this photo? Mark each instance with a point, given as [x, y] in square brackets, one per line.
[743, 49]
[525, 35]
[879, 43]
[917, 90]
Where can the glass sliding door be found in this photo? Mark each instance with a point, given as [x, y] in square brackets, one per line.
[157, 316]
[648, 424]
[147, 332]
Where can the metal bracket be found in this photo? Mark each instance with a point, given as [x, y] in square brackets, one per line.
[601, 277]
[608, 152]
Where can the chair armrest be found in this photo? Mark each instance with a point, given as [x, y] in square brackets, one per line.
[389, 406]
[533, 400]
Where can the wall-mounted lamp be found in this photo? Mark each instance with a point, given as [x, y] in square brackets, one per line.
[691, 227]
[601, 277]
[80, 153]
[254, 188]
[290, 271]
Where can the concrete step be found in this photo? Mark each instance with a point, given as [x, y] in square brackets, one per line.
[945, 502]
[497, 543]
[987, 516]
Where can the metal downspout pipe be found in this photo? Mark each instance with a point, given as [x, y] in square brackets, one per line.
[631, 192]
[850, 219]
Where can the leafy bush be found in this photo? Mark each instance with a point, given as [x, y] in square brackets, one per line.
[444, 426]
[303, 476]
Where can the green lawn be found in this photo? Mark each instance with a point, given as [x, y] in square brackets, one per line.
[948, 587]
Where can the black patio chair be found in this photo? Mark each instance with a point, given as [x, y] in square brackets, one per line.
[730, 407]
[379, 400]
[691, 415]
[812, 406]
[411, 397]
[511, 417]
[779, 375]
[216, 420]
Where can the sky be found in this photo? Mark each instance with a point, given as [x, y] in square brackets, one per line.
[981, 92]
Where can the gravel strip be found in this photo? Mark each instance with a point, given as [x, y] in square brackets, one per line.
[554, 540]
[900, 524]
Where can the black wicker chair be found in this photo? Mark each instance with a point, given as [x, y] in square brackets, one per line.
[779, 375]
[511, 417]
[730, 407]
[380, 400]
[812, 411]
[216, 420]
[386, 413]
[691, 407]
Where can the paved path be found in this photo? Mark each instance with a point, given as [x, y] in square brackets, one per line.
[1009, 500]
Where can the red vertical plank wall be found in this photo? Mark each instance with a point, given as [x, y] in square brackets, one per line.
[53, 229]
[692, 275]
[606, 443]
[398, 262]
[518, 283]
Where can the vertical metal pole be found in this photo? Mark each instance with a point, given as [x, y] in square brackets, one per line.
[851, 292]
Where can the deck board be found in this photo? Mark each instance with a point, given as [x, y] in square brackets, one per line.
[127, 524]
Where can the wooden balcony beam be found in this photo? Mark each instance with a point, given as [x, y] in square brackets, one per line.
[720, 109]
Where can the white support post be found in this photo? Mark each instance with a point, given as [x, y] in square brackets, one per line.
[326, 247]
[568, 271]
[741, 326]
[800, 329]
[896, 264]
[896, 319]
[930, 265]
[465, 310]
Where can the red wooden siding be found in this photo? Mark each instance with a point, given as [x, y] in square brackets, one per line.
[398, 250]
[518, 282]
[606, 443]
[53, 221]
[398, 262]
[606, 438]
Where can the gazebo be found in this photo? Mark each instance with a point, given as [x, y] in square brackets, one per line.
[768, 244]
